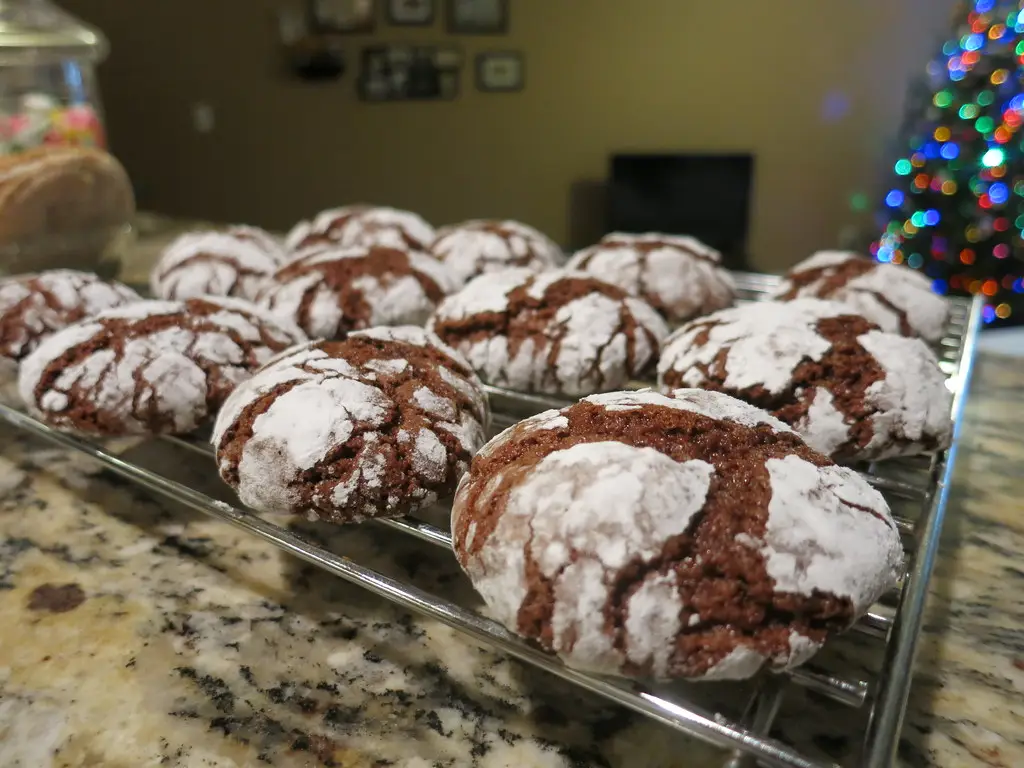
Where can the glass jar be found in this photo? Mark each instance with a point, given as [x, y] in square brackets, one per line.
[64, 202]
[48, 92]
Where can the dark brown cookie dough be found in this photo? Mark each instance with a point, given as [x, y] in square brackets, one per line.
[694, 536]
[476, 247]
[362, 225]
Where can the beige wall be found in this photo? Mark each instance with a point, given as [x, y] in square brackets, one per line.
[602, 75]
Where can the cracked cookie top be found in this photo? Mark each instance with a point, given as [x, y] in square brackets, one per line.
[376, 425]
[150, 367]
[330, 290]
[558, 332]
[362, 225]
[690, 536]
[851, 390]
[681, 277]
[235, 262]
[34, 306]
[475, 247]
[898, 299]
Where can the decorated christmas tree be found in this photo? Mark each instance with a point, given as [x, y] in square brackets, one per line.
[955, 209]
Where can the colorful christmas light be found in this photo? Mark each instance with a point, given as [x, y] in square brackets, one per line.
[955, 209]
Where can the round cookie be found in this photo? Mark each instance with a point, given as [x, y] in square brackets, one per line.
[362, 225]
[557, 332]
[328, 291]
[897, 299]
[33, 306]
[678, 276]
[475, 247]
[150, 367]
[687, 537]
[850, 390]
[237, 262]
[398, 416]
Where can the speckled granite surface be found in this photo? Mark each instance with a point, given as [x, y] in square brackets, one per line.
[134, 633]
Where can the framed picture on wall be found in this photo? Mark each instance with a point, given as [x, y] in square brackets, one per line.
[348, 16]
[500, 71]
[411, 13]
[478, 17]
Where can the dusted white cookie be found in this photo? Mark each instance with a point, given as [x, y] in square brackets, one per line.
[33, 306]
[150, 367]
[689, 536]
[236, 262]
[852, 391]
[475, 247]
[378, 424]
[558, 332]
[362, 225]
[681, 277]
[897, 299]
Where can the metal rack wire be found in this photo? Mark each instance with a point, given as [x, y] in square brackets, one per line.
[918, 488]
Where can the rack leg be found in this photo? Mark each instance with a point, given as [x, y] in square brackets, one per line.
[761, 711]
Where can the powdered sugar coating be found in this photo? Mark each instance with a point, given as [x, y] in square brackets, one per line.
[149, 367]
[479, 246]
[610, 543]
[390, 433]
[898, 299]
[851, 391]
[330, 290]
[237, 262]
[33, 306]
[558, 332]
[819, 539]
[681, 277]
[363, 225]
[609, 503]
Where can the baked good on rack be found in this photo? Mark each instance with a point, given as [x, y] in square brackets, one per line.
[377, 424]
[235, 262]
[329, 290]
[150, 367]
[33, 306]
[898, 299]
[362, 225]
[681, 277]
[482, 245]
[694, 536]
[851, 390]
[558, 332]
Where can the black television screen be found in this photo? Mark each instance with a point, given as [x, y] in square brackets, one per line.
[707, 196]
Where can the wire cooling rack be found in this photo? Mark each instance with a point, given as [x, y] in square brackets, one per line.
[917, 489]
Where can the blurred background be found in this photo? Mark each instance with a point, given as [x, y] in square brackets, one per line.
[211, 121]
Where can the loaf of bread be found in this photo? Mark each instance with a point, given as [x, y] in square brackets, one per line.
[59, 206]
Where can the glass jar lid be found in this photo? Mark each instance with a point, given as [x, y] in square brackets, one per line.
[38, 32]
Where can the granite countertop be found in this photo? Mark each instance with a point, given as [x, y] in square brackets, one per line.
[136, 633]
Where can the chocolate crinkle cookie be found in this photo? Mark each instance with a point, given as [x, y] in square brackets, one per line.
[557, 332]
[328, 291]
[378, 424]
[898, 299]
[475, 247]
[150, 367]
[681, 277]
[853, 391]
[362, 225]
[692, 536]
[34, 306]
[236, 262]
